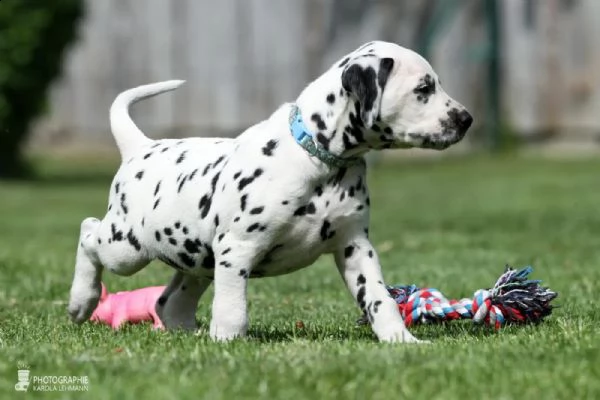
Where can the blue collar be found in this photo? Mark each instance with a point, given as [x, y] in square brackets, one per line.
[304, 138]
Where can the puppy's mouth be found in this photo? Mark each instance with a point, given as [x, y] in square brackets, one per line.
[437, 141]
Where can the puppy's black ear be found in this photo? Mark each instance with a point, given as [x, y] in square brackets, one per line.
[366, 83]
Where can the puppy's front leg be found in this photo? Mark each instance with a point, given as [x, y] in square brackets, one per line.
[359, 265]
[229, 309]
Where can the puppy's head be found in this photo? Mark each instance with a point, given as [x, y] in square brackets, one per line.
[400, 100]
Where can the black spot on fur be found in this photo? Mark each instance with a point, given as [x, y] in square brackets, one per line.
[221, 237]
[164, 150]
[316, 118]
[360, 207]
[307, 209]
[204, 205]
[226, 264]
[248, 180]
[253, 227]
[361, 280]
[323, 140]
[116, 234]
[237, 175]
[219, 160]
[177, 225]
[181, 157]
[319, 190]
[385, 68]
[269, 147]
[343, 196]
[370, 253]
[157, 236]
[157, 188]
[192, 246]
[236, 219]
[139, 175]
[348, 251]
[388, 130]
[325, 233]
[351, 191]
[360, 297]
[344, 62]
[186, 259]
[133, 240]
[123, 204]
[243, 202]
[206, 200]
[243, 273]
[257, 210]
[331, 98]
[348, 145]
[209, 259]
[181, 184]
[173, 241]
[376, 306]
[359, 183]
[156, 204]
[227, 250]
[185, 230]
[216, 220]
[168, 231]
[147, 156]
[285, 202]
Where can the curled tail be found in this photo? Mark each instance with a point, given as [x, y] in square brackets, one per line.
[128, 136]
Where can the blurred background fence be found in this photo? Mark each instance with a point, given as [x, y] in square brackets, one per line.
[528, 69]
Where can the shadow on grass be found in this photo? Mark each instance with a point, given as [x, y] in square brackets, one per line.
[434, 332]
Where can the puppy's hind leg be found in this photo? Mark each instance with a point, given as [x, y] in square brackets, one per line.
[85, 289]
[102, 244]
[177, 305]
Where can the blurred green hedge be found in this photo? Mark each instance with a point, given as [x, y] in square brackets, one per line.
[33, 38]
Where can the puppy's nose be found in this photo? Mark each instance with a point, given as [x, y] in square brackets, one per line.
[464, 120]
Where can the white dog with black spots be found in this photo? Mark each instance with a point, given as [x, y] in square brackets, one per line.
[265, 203]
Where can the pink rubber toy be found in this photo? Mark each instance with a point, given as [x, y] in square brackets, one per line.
[134, 306]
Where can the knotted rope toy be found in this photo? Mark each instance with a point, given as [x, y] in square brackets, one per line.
[513, 299]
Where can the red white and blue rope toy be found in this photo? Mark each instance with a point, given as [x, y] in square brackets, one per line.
[514, 299]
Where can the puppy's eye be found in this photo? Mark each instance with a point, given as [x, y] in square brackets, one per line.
[426, 88]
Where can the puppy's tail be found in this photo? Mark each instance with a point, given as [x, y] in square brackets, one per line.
[128, 136]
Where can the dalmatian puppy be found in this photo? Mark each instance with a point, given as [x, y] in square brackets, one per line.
[270, 201]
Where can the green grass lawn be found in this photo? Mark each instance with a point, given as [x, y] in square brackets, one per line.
[450, 224]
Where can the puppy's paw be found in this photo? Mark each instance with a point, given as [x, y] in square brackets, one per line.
[400, 335]
[82, 303]
[226, 333]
